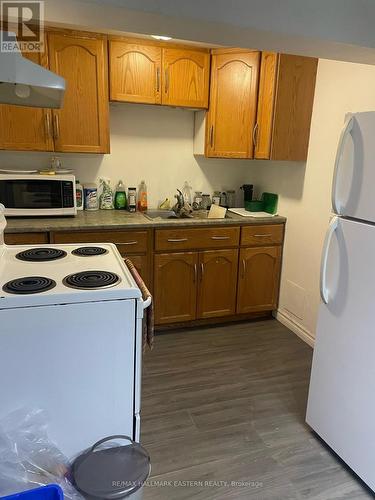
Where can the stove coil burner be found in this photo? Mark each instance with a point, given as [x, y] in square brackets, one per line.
[91, 280]
[29, 285]
[41, 254]
[89, 251]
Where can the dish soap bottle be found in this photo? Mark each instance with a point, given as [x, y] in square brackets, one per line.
[120, 196]
[142, 197]
[79, 195]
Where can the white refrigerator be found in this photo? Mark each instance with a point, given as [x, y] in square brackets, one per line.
[341, 402]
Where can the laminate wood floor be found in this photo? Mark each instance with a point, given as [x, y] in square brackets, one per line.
[223, 418]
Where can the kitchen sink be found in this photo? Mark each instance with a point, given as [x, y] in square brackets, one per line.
[170, 214]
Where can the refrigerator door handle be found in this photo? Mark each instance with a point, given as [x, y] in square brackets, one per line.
[323, 267]
[346, 130]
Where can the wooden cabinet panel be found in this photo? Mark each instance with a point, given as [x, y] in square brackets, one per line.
[175, 287]
[286, 94]
[262, 235]
[258, 281]
[141, 263]
[135, 72]
[196, 238]
[24, 128]
[185, 77]
[293, 107]
[26, 238]
[82, 125]
[217, 283]
[233, 102]
[266, 101]
[126, 241]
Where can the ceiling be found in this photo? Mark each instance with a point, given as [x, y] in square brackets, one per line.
[333, 29]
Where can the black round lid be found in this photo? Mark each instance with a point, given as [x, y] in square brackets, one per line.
[111, 473]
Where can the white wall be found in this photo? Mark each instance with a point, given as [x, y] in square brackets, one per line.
[305, 189]
[152, 143]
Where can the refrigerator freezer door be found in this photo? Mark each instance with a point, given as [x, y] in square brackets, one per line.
[353, 187]
[341, 403]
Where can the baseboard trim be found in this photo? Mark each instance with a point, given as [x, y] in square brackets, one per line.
[301, 332]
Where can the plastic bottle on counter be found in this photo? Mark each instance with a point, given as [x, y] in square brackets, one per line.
[142, 197]
[91, 201]
[106, 198]
[216, 198]
[132, 199]
[120, 196]
[79, 195]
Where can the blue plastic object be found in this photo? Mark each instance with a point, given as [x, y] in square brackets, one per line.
[49, 492]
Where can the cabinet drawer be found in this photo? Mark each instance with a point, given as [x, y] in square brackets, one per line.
[126, 241]
[196, 238]
[25, 238]
[262, 235]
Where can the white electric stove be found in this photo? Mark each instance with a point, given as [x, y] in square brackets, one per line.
[71, 339]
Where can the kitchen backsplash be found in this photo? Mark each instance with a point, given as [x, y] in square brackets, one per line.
[154, 144]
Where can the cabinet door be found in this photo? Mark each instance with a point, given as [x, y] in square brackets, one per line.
[186, 77]
[24, 128]
[175, 287]
[82, 124]
[266, 104]
[217, 283]
[258, 281]
[233, 102]
[293, 107]
[135, 72]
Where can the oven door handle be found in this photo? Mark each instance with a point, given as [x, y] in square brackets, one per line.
[146, 303]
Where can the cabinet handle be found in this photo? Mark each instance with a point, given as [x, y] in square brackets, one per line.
[255, 134]
[220, 237]
[48, 124]
[195, 273]
[158, 80]
[212, 136]
[127, 243]
[243, 268]
[166, 81]
[202, 270]
[56, 127]
[176, 240]
[262, 235]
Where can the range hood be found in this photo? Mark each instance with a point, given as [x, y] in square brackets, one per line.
[25, 83]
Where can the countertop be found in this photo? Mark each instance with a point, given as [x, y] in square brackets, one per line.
[115, 219]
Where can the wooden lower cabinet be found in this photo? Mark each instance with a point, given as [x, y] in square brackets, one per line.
[26, 238]
[195, 285]
[258, 280]
[175, 287]
[141, 263]
[217, 283]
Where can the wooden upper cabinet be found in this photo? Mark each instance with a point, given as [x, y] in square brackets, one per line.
[175, 287]
[82, 125]
[286, 95]
[185, 77]
[24, 128]
[233, 103]
[258, 279]
[217, 283]
[134, 72]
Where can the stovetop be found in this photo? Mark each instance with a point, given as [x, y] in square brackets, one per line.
[53, 274]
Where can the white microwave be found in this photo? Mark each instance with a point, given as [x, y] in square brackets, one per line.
[34, 195]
